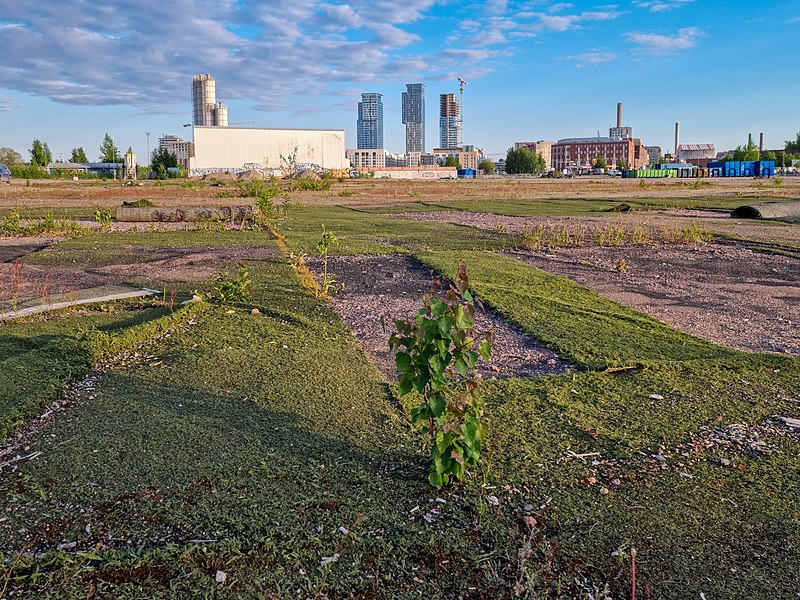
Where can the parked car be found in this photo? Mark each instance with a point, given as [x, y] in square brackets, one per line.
[614, 173]
[5, 174]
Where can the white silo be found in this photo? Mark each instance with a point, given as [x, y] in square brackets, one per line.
[204, 99]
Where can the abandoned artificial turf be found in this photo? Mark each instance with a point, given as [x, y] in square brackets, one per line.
[581, 325]
[38, 358]
[364, 233]
[266, 433]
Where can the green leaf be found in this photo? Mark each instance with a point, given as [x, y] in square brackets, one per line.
[468, 297]
[438, 404]
[405, 385]
[485, 349]
[461, 366]
[403, 361]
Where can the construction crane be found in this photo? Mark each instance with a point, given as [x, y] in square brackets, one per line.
[240, 122]
[461, 84]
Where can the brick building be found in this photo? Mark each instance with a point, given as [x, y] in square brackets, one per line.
[582, 152]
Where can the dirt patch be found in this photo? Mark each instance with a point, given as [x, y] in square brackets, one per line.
[142, 265]
[379, 289]
[727, 295]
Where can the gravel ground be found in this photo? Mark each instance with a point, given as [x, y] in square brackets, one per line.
[728, 295]
[379, 289]
[718, 222]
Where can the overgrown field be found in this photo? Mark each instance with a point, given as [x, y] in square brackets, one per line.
[250, 449]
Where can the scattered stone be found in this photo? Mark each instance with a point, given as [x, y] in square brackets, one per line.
[725, 462]
[529, 521]
[604, 491]
[221, 577]
[68, 546]
[615, 481]
[656, 397]
[255, 311]
[343, 530]
[686, 475]
[441, 501]
[326, 560]
[527, 507]
[492, 501]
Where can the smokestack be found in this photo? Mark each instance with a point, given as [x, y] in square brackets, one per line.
[677, 137]
[619, 114]
[749, 139]
[761, 142]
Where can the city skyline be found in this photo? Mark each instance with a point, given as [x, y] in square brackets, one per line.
[537, 70]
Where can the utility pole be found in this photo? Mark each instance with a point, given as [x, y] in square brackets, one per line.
[148, 150]
[461, 85]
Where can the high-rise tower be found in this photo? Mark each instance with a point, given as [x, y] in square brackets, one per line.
[414, 117]
[206, 111]
[449, 122]
[370, 122]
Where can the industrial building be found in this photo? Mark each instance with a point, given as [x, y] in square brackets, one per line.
[449, 122]
[369, 126]
[238, 149]
[688, 152]
[206, 111]
[219, 148]
[413, 114]
[655, 153]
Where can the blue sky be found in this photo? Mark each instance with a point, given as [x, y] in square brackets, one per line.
[77, 69]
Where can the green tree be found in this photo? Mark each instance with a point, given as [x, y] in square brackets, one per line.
[600, 162]
[522, 160]
[622, 164]
[793, 144]
[162, 160]
[452, 161]
[78, 155]
[10, 157]
[769, 156]
[747, 152]
[487, 166]
[108, 151]
[40, 154]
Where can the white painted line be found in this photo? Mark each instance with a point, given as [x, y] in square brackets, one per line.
[32, 310]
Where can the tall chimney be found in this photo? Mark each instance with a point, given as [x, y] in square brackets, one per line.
[619, 114]
[761, 142]
[677, 137]
[749, 139]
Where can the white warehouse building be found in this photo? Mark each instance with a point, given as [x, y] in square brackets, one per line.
[238, 149]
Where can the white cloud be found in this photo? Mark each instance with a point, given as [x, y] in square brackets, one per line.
[662, 5]
[7, 104]
[685, 39]
[594, 57]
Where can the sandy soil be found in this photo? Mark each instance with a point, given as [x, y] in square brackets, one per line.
[379, 289]
[731, 296]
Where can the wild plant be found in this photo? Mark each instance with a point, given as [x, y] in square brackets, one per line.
[233, 289]
[103, 218]
[621, 266]
[434, 349]
[777, 181]
[12, 223]
[328, 284]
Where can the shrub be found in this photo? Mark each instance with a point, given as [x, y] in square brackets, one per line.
[236, 289]
[435, 349]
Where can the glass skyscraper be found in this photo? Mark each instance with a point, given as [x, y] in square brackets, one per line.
[370, 122]
[414, 117]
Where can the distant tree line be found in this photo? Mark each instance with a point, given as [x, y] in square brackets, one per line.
[522, 161]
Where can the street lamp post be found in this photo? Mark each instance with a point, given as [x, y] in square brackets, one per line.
[148, 154]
